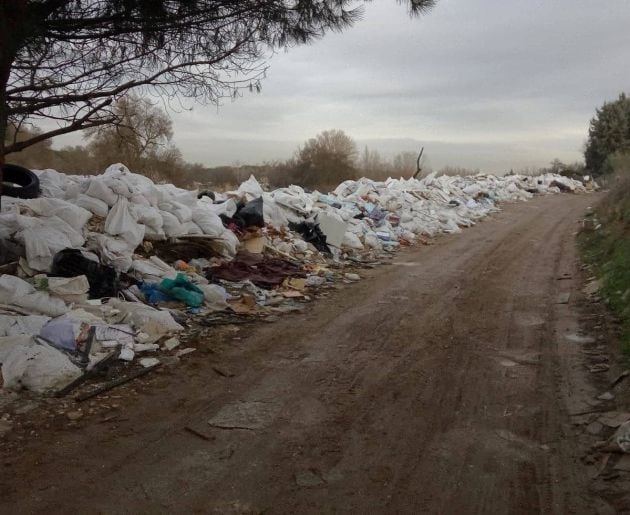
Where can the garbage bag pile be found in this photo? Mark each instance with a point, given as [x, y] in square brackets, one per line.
[114, 267]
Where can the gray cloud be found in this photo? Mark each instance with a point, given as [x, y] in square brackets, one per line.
[482, 83]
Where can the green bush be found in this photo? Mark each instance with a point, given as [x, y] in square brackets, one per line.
[606, 247]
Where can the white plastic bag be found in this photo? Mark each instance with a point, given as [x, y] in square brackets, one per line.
[98, 189]
[214, 296]
[121, 223]
[113, 251]
[208, 222]
[171, 225]
[351, 240]
[12, 325]
[192, 228]
[28, 365]
[69, 289]
[152, 270]
[182, 212]
[92, 204]
[250, 189]
[153, 322]
[147, 215]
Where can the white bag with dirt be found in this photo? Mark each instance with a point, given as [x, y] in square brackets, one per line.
[34, 366]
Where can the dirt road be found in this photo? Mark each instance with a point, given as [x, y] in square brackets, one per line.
[440, 385]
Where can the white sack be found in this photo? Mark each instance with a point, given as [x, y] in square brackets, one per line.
[75, 216]
[145, 319]
[92, 204]
[28, 365]
[181, 211]
[14, 325]
[208, 222]
[152, 270]
[214, 296]
[69, 289]
[121, 223]
[113, 251]
[250, 189]
[98, 189]
[227, 208]
[352, 241]
[172, 227]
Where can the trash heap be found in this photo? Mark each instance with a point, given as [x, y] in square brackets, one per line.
[111, 269]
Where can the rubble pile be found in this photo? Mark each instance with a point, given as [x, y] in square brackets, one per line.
[111, 269]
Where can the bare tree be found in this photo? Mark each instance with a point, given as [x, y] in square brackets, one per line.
[144, 132]
[326, 159]
[405, 164]
[68, 61]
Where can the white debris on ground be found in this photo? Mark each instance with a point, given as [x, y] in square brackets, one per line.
[101, 267]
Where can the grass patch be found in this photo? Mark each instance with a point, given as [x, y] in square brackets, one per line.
[605, 245]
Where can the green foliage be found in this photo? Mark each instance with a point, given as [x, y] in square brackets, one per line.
[574, 170]
[608, 134]
[606, 247]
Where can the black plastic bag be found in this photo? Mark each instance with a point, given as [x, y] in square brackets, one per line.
[311, 234]
[71, 263]
[250, 215]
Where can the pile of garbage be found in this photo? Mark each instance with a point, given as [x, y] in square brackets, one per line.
[113, 268]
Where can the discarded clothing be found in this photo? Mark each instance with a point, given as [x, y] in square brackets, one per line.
[262, 271]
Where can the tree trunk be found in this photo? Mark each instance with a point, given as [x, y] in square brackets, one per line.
[12, 28]
[5, 70]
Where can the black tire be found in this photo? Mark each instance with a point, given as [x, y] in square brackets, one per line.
[27, 182]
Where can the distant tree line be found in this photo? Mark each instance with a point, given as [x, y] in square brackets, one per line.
[142, 140]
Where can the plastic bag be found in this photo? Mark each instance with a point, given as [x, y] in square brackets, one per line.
[92, 204]
[227, 208]
[113, 251]
[155, 323]
[147, 215]
[69, 289]
[12, 325]
[28, 365]
[73, 215]
[152, 270]
[192, 228]
[171, 225]
[184, 290]
[251, 214]
[121, 223]
[208, 222]
[215, 297]
[250, 188]
[352, 241]
[102, 280]
[182, 212]
[51, 183]
[153, 294]
[64, 332]
[101, 191]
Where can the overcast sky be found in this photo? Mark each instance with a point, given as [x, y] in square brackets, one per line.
[494, 84]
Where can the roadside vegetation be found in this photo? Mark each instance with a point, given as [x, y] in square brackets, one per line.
[605, 237]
